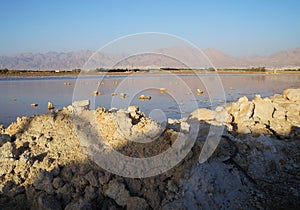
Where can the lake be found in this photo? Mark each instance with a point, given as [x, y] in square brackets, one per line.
[179, 99]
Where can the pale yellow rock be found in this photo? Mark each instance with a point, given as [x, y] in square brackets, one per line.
[162, 90]
[142, 97]
[50, 105]
[260, 129]
[246, 109]
[221, 115]
[243, 99]
[203, 114]
[292, 94]
[123, 95]
[96, 93]
[279, 113]
[257, 98]
[133, 109]
[263, 110]
[281, 127]
[243, 130]
[294, 118]
[199, 92]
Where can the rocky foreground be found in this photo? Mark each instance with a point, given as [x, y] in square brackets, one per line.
[44, 165]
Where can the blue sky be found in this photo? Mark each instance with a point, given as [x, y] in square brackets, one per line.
[236, 27]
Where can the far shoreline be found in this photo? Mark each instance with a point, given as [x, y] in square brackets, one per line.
[24, 73]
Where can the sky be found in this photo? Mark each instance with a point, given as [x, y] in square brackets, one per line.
[236, 27]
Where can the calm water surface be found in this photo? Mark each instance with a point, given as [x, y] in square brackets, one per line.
[178, 101]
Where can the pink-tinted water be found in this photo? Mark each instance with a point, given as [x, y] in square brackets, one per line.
[178, 101]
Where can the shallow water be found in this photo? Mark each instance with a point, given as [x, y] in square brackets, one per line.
[178, 101]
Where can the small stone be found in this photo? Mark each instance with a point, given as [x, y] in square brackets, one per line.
[162, 90]
[104, 178]
[66, 191]
[100, 110]
[172, 186]
[199, 92]
[2, 129]
[96, 93]
[44, 182]
[133, 109]
[142, 97]
[172, 121]
[137, 203]
[92, 179]
[47, 202]
[185, 127]
[50, 105]
[89, 193]
[123, 95]
[117, 192]
[57, 182]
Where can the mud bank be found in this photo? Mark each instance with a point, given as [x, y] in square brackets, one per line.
[45, 164]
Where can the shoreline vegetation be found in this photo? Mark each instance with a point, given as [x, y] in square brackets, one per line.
[75, 72]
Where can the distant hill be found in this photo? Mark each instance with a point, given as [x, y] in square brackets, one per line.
[176, 55]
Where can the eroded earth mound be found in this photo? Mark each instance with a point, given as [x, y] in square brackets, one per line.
[44, 164]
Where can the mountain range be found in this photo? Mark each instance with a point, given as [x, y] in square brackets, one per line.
[174, 57]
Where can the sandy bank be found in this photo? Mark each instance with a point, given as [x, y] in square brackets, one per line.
[48, 161]
[178, 72]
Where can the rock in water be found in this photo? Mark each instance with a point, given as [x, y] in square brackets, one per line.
[199, 92]
[162, 90]
[123, 95]
[96, 93]
[50, 105]
[142, 97]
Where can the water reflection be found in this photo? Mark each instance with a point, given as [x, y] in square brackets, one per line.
[178, 101]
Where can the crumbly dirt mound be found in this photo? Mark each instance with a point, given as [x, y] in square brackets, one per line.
[43, 164]
[129, 131]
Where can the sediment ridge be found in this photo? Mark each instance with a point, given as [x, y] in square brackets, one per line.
[44, 164]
